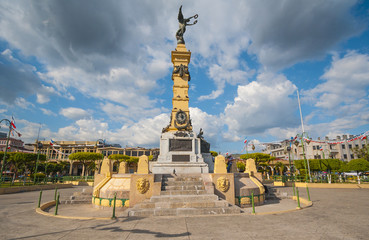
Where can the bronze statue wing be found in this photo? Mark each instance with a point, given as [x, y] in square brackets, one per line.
[180, 15]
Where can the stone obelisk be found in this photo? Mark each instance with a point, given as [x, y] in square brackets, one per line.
[181, 151]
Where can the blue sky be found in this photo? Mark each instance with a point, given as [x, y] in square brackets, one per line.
[86, 70]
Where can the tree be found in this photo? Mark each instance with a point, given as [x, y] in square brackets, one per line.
[258, 157]
[241, 166]
[213, 153]
[358, 165]
[85, 158]
[362, 152]
[280, 167]
[19, 162]
[119, 157]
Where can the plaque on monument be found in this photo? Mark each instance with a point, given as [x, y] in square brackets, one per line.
[180, 145]
[180, 158]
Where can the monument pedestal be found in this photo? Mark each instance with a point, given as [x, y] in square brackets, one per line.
[181, 152]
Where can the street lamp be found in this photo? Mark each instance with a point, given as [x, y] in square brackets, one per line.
[39, 145]
[306, 162]
[6, 147]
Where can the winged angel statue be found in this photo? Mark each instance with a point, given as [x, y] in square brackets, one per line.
[183, 22]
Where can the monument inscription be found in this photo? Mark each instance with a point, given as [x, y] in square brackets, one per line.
[180, 158]
[180, 145]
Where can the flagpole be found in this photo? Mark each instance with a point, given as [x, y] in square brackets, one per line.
[38, 154]
[303, 133]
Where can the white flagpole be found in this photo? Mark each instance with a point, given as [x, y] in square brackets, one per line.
[302, 122]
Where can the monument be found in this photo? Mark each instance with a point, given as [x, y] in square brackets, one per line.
[181, 150]
[184, 179]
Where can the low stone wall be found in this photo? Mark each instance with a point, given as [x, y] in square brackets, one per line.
[8, 190]
[323, 185]
[80, 183]
[245, 201]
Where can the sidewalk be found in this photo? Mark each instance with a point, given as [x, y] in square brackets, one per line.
[336, 214]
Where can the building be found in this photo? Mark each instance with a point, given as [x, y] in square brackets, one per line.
[342, 147]
[60, 150]
[14, 145]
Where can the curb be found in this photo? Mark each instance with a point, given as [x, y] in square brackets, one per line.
[43, 207]
[304, 201]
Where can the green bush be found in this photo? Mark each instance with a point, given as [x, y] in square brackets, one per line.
[241, 166]
[39, 176]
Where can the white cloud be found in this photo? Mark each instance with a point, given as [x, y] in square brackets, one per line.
[23, 103]
[261, 105]
[43, 94]
[48, 112]
[222, 76]
[345, 87]
[211, 125]
[284, 34]
[74, 113]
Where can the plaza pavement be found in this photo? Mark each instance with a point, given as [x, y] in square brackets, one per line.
[336, 214]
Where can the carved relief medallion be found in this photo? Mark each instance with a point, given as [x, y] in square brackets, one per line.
[142, 185]
[223, 184]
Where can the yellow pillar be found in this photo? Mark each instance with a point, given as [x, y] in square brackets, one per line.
[143, 165]
[220, 165]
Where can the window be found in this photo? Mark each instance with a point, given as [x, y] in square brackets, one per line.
[314, 147]
[352, 156]
[357, 145]
[134, 153]
[120, 152]
[147, 153]
[128, 153]
[350, 146]
[343, 146]
[345, 156]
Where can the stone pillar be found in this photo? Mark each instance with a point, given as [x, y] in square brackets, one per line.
[143, 165]
[220, 165]
[106, 167]
[123, 167]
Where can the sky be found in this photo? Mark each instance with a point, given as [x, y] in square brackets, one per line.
[88, 70]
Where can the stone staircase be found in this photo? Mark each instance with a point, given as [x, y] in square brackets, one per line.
[183, 195]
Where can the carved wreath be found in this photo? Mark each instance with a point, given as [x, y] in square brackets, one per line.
[181, 70]
[142, 185]
[223, 184]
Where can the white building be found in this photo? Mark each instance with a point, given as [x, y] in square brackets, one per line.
[341, 148]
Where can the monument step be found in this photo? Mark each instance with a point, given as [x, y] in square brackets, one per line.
[195, 204]
[181, 183]
[183, 211]
[183, 192]
[184, 187]
[185, 198]
[183, 179]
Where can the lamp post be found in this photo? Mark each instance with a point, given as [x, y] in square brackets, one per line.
[6, 147]
[98, 141]
[39, 145]
[306, 162]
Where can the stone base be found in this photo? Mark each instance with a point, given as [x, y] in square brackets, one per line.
[181, 151]
[168, 168]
